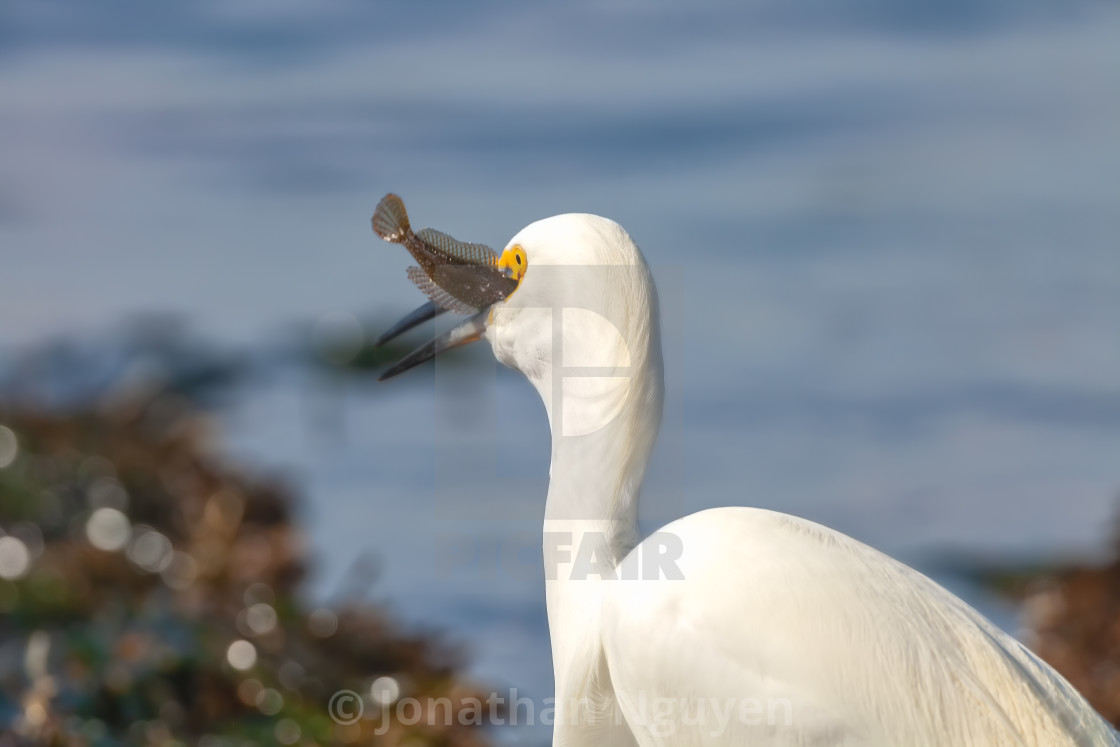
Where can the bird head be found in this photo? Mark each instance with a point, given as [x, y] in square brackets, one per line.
[581, 284]
[581, 321]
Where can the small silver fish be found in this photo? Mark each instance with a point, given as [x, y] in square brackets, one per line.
[455, 275]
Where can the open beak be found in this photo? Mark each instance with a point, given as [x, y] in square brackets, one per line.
[466, 332]
[496, 282]
[428, 311]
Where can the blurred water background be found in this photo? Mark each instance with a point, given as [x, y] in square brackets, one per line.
[887, 239]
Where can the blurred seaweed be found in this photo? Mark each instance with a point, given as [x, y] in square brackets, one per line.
[1070, 613]
[150, 589]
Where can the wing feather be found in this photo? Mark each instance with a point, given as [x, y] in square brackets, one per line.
[865, 650]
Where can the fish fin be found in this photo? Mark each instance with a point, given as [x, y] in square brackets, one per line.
[438, 295]
[390, 220]
[478, 254]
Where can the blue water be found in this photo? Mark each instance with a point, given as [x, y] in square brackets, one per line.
[886, 237]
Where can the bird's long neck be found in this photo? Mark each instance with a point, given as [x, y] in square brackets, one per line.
[593, 491]
[603, 430]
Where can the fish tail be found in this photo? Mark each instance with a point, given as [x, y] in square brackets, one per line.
[390, 221]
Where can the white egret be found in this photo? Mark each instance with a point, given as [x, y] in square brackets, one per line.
[751, 627]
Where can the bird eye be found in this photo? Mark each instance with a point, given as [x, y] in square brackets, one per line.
[514, 262]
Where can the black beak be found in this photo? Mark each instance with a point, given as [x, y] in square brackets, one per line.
[466, 332]
[428, 311]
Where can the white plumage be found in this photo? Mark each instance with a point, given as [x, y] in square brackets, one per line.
[775, 630]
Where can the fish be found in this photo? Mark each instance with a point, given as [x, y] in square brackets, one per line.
[456, 276]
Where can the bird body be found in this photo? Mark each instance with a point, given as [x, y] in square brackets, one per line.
[731, 626]
[808, 637]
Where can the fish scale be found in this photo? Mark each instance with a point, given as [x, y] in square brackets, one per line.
[457, 276]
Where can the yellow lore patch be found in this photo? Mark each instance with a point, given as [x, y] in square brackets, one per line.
[514, 262]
